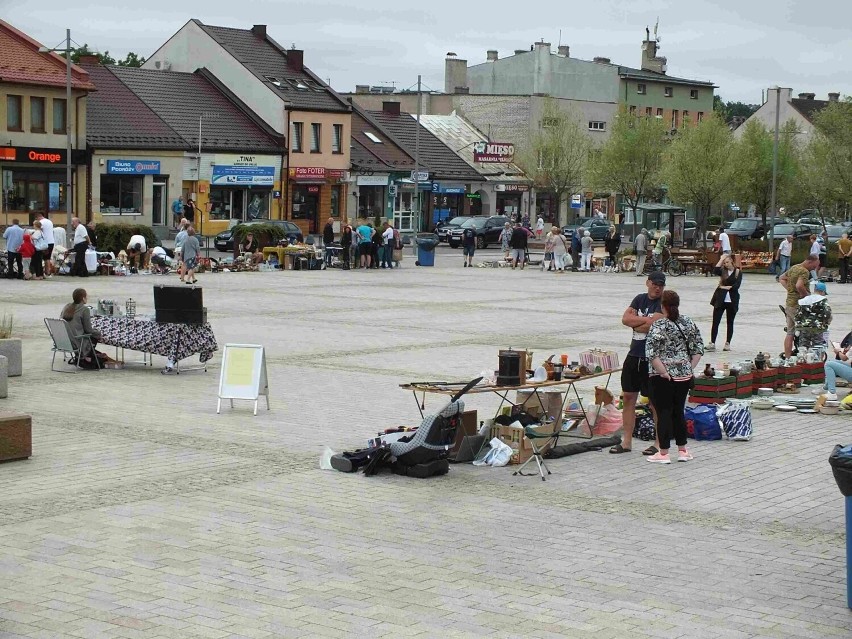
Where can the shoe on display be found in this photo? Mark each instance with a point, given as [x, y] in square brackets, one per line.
[831, 397]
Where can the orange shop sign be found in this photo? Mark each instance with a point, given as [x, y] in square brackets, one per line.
[37, 155]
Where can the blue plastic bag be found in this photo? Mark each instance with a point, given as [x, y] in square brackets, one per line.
[704, 422]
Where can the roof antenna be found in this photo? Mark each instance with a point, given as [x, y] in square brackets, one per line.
[560, 37]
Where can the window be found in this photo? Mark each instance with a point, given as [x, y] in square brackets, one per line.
[641, 89]
[121, 195]
[335, 200]
[685, 116]
[700, 116]
[35, 190]
[37, 115]
[13, 113]
[659, 113]
[668, 91]
[693, 94]
[296, 143]
[60, 115]
[337, 138]
[316, 137]
[649, 111]
[375, 138]
[549, 122]
[632, 109]
[597, 126]
[674, 118]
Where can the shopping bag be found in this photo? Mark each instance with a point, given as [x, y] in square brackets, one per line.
[703, 422]
[735, 418]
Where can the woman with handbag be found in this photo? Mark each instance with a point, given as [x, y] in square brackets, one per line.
[725, 300]
[40, 245]
[673, 348]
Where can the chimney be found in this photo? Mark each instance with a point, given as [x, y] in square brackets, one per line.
[93, 59]
[650, 60]
[520, 51]
[259, 30]
[834, 97]
[542, 45]
[601, 60]
[455, 73]
[362, 88]
[564, 50]
[807, 96]
[491, 55]
[391, 108]
[296, 59]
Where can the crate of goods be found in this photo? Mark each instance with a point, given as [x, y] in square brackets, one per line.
[713, 390]
[764, 378]
[597, 359]
[813, 373]
[791, 375]
[521, 446]
[745, 385]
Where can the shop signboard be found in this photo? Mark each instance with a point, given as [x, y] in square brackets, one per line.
[514, 188]
[133, 167]
[39, 155]
[576, 202]
[307, 173]
[244, 170]
[372, 180]
[448, 190]
[494, 152]
[420, 176]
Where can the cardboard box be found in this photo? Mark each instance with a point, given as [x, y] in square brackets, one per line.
[546, 402]
[521, 447]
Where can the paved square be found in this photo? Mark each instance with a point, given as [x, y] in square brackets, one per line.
[144, 514]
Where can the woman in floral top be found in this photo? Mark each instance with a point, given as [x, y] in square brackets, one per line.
[673, 347]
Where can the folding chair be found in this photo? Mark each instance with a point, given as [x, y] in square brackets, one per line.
[63, 343]
[538, 450]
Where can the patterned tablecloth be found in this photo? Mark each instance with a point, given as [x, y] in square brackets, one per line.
[174, 341]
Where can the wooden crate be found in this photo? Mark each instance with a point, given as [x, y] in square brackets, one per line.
[16, 436]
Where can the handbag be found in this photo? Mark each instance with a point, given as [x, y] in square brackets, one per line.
[40, 243]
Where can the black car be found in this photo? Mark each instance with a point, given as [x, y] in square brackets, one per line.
[225, 240]
[798, 231]
[597, 228]
[487, 229]
[748, 228]
[442, 230]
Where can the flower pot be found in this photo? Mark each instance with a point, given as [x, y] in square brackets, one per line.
[11, 349]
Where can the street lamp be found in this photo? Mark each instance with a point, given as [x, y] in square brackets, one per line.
[770, 235]
[67, 51]
[201, 116]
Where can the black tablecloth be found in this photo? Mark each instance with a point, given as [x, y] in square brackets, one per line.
[174, 341]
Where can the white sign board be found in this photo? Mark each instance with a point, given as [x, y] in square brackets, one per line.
[243, 374]
[420, 176]
[576, 202]
[372, 180]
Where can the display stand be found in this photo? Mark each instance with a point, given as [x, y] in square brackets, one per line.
[243, 375]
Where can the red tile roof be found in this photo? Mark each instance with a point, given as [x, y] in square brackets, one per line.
[21, 62]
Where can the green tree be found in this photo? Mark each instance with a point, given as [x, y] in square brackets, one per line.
[131, 60]
[730, 110]
[698, 167]
[629, 162]
[833, 151]
[754, 159]
[556, 157]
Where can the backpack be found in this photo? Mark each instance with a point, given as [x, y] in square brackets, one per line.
[644, 427]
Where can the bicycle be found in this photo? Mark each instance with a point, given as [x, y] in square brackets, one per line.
[670, 265]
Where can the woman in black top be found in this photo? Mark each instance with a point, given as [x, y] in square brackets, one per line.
[346, 244]
[612, 243]
[726, 299]
[377, 243]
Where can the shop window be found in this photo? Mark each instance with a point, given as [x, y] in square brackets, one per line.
[403, 213]
[34, 191]
[220, 204]
[337, 138]
[316, 137]
[121, 195]
[36, 115]
[258, 206]
[335, 200]
[296, 142]
[13, 113]
[60, 115]
[669, 92]
[641, 89]
[693, 94]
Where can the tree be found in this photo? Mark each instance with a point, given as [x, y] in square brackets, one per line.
[698, 167]
[731, 110]
[556, 156]
[754, 159]
[833, 150]
[131, 60]
[629, 162]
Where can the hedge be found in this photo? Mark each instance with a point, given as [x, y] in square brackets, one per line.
[115, 237]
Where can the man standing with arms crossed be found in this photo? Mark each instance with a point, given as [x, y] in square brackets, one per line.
[795, 281]
[642, 312]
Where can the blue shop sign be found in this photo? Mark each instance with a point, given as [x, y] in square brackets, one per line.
[134, 167]
[230, 175]
[448, 190]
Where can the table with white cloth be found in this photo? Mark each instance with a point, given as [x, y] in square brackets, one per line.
[173, 341]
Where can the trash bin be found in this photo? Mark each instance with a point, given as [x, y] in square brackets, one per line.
[841, 466]
[426, 244]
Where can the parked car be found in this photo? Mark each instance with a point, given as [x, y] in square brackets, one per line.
[782, 230]
[748, 228]
[225, 240]
[835, 231]
[443, 228]
[487, 229]
[596, 227]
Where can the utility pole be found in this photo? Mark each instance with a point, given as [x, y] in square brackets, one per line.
[417, 159]
[774, 166]
[68, 208]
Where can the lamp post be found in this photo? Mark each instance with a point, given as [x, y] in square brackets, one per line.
[774, 166]
[67, 50]
[201, 116]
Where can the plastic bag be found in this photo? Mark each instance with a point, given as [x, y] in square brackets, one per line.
[325, 459]
[841, 466]
[499, 454]
[704, 422]
[735, 418]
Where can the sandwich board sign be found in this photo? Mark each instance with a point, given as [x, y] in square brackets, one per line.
[243, 374]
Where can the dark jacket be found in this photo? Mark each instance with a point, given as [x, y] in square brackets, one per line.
[346, 236]
[733, 280]
[79, 319]
[519, 238]
[328, 234]
[612, 244]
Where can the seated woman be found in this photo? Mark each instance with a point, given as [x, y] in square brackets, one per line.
[79, 319]
[250, 249]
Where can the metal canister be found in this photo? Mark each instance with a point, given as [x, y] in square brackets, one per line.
[130, 308]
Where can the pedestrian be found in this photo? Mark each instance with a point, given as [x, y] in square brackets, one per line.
[548, 251]
[81, 244]
[365, 241]
[137, 252]
[673, 348]
[93, 238]
[505, 239]
[576, 247]
[397, 245]
[822, 240]
[795, 282]
[844, 249]
[724, 241]
[840, 366]
[660, 248]
[376, 248]
[640, 245]
[346, 244]
[586, 244]
[783, 253]
[14, 236]
[177, 211]
[725, 300]
[612, 243]
[518, 242]
[26, 252]
[189, 210]
[539, 227]
[560, 249]
[525, 222]
[50, 238]
[815, 251]
[328, 239]
[638, 316]
[191, 252]
[180, 239]
[387, 246]
[468, 244]
[39, 246]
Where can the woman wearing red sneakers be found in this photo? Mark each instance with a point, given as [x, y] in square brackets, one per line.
[673, 347]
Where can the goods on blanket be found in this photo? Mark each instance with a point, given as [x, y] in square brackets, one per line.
[597, 360]
[702, 422]
[736, 421]
[581, 447]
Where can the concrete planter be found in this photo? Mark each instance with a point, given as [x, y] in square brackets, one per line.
[11, 349]
[4, 377]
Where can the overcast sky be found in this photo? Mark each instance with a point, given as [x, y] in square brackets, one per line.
[743, 46]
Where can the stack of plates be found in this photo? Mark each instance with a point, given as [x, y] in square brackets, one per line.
[803, 404]
[765, 392]
[763, 403]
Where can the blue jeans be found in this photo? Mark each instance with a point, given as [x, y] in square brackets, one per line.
[835, 368]
[387, 254]
[784, 260]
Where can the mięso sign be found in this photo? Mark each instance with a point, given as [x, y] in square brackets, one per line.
[37, 155]
[494, 152]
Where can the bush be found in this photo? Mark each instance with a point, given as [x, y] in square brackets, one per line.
[265, 234]
[115, 237]
[714, 222]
